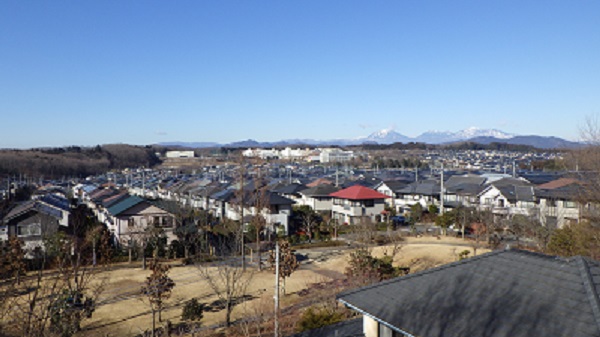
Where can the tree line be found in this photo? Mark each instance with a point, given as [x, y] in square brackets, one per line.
[75, 161]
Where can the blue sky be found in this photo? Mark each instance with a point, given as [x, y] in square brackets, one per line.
[142, 72]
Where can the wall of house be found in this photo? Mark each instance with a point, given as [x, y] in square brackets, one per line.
[317, 204]
[387, 191]
[370, 327]
[350, 210]
[142, 215]
[4, 233]
[561, 211]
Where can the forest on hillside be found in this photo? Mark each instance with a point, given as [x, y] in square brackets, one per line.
[75, 161]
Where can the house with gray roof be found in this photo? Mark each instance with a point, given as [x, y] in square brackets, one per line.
[508, 293]
[318, 197]
[425, 192]
[391, 188]
[350, 328]
[462, 190]
[508, 197]
[560, 202]
[32, 220]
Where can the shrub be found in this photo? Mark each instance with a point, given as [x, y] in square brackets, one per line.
[314, 318]
[192, 310]
[464, 254]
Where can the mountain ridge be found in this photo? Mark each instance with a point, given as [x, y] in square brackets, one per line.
[390, 136]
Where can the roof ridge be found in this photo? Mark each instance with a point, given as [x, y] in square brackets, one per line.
[427, 271]
[588, 284]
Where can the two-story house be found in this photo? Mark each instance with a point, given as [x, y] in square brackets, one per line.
[131, 216]
[560, 202]
[318, 197]
[351, 205]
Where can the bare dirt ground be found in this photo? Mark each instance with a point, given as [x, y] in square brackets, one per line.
[123, 311]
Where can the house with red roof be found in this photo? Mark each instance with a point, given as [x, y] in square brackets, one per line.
[354, 203]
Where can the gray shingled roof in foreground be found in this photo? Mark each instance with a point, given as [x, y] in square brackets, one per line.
[508, 293]
[351, 328]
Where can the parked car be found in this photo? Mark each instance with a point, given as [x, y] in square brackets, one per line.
[398, 220]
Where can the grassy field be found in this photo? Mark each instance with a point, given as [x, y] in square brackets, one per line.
[123, 311]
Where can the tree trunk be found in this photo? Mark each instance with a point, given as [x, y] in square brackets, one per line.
[144, 256]
[153, 322]
[258, 249]
[130, 254]
[228, 309]
[94, 253]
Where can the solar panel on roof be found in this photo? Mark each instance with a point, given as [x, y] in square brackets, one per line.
[49, 210]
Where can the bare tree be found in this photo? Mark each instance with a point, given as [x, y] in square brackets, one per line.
[54, 302]
[331, 223]
[15, 258]
[287, 262]
[226, 277]
[364, 232]
[260, 204]
[186, 229]
[309, 219]
[157, 289]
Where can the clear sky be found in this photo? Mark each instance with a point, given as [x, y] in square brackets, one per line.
[142, 72]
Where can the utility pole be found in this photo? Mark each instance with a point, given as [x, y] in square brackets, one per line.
[242, 169]
[416, 173]
[276, 296]
[442, 191]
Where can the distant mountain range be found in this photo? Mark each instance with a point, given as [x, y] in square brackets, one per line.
[390, 136]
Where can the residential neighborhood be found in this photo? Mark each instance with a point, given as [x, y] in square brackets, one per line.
[300, 169]
[150, 213]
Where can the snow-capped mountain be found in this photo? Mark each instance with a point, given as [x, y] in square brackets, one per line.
[385, 136]
[390, 136]
[473, 132]
[438, 137]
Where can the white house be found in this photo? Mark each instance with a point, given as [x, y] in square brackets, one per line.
[354, 203]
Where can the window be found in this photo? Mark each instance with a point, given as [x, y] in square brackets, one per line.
[130, 222]
[369, 203]
[29, 230]
[527, 204]
[569, 204]
[167, 221]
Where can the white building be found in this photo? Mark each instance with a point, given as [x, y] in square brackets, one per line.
[180, 154]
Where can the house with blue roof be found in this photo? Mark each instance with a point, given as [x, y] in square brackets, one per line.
[31, 221]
